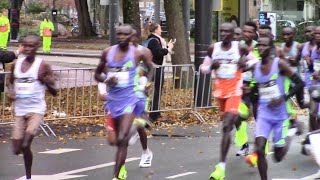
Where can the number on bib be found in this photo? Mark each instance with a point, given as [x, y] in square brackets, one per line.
[268, 91]
[24, 87]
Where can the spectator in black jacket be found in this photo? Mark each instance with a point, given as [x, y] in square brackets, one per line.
[7, 57]
[159, 49]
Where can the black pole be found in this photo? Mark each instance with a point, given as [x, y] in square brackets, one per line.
[203, 39]
[54, 14]
[157, 11]
[113, 20]
[14, 14]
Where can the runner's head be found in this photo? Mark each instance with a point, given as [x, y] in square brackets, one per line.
[249, 31]
[309, 32]
[265, 31]
[226, 32]
[124, 34]
[288, 34]
[155, 28]
[237, 34]
[30, 46]
[317, 34]
[265, 45]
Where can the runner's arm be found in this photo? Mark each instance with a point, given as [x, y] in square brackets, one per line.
[101, 67]
[299, 54]
[208, 64]
[294, 77]
[10, 85]
[279, 53]
[46, 77]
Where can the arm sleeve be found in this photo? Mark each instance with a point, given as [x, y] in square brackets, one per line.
[206, 65]
[298, 86]
[41, 28]
[157, 51]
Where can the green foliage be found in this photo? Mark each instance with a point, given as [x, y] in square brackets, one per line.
[4, 4]
[26, 31]
[35, 8]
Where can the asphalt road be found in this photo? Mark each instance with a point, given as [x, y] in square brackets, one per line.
[190, 154]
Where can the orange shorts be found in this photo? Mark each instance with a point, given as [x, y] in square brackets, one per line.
[230, 104]
[109, 124]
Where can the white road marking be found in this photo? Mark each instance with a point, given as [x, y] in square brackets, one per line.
[311, 177]
[95, 167]
[59, 151]
[52, 177]
[68, 174]
[180, 175]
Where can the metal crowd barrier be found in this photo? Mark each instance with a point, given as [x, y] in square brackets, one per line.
[78, 95]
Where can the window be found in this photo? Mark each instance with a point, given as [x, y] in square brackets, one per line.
[141, 4]
[300, 5]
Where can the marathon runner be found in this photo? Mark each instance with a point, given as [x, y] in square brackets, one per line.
[270, 74]
[30, 77]
[121, 61]
[224, 58]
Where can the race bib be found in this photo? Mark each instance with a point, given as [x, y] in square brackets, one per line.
[316, 64]
[122, 75]
[268, 91]
[24, 87]
[227, 69]
[247, 76]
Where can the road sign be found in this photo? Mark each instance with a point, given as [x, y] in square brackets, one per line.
[217, 5]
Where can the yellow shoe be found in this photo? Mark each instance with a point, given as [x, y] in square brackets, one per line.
[123, 173]
[218, 174]
[252, 159]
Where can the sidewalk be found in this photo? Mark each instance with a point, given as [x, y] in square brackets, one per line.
[83, 52]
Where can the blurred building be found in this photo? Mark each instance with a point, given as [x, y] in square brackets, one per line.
[294, 10]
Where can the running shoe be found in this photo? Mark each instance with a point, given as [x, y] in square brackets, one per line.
[146, 159]
[123, 173]
[218, 174]
[133, 139]
[244, 151]
[252, 159]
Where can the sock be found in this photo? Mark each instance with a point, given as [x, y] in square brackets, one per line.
[223, 165]
[146, 151]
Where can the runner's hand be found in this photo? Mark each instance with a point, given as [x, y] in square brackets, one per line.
[111, 81]
[215, 65]
[276, 102]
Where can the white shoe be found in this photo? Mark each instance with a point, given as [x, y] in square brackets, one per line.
[146, 159]
[133, 139]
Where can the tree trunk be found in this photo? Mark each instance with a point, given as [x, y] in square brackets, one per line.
[85, 25]
[176, 30]
[131, 14]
